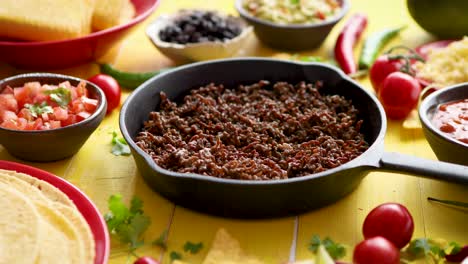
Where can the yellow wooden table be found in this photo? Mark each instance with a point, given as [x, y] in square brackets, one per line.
[100, 174]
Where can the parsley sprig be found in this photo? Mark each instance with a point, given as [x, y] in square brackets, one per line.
[39, 109]
[336, 250]
[127, 224]
[433, 249]
[61, 95]
[119, 146]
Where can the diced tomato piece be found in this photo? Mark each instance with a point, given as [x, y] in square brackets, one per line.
[10, 124]
[34, 125]
[26, 114]
[65, 84]
[22, 95]
[7, 90]
[8, 102]
[54, 124]
[73, 94]
[8, 115]
[22, 123]
[70, 120]
[41, 97]
[89, 104]
[45, 117]
[77, 106]
[82, 115]
[81, 89]
[60, 113]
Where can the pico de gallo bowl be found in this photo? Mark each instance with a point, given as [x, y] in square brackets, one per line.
[46, 117]
[36, 106]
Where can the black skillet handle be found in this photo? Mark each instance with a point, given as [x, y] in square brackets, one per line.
[425, 168]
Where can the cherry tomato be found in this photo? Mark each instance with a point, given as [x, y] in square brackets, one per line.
[391, 221]
[376, 250]
[111, 89]
[381, 68]
[146, 260]
[399, 94]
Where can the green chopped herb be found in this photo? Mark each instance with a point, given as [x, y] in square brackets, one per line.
[336, 250]
[61, 96]
[119, 146]
[429, 248]
[193, 248]
[127, 224]
[174, 255]
[294, 2]
[39, 109]
[161, 240]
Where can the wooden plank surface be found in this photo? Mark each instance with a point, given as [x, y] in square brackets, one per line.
[99, 174]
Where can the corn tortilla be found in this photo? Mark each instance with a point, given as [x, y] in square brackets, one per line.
[61, 228]
[20, 225]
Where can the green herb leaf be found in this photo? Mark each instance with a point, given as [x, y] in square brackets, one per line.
[193, 248]
[455, 248]
[39, 109]
[161, 240]
[127, 224]
[294, 2]
[61, 96]
[424, 247]
[336, 250]
[175, 255]
[119, 146]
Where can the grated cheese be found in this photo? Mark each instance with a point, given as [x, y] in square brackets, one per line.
[447, 66]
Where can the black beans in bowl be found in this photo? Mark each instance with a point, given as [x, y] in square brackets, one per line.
[195, 26]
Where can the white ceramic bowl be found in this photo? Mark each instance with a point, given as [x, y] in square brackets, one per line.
[197, 51]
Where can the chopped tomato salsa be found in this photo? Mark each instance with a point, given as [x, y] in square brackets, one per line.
[41, 107]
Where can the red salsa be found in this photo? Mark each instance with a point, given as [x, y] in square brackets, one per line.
[41, 107]
[452, 119]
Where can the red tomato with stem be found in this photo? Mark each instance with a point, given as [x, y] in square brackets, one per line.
[381, 68]
[146, 260]
[391, 221]
[399, 95]
[376, 250]
[111, 89]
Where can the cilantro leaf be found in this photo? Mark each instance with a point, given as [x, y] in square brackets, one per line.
[294, 2]
[119, 146]
[127, 224]
[61, 95]
[161, 240]
[424, 247]
[175, 255]
[193, 248]
[39, 109]
[336, 250]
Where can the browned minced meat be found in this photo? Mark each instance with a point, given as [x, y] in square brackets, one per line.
[255, 132]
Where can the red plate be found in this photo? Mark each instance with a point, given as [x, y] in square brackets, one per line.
[82, 202]
[69, 52]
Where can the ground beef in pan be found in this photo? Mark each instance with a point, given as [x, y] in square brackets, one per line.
[254, 132]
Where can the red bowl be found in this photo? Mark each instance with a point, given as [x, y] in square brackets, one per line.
[82, 202]
[69, 52]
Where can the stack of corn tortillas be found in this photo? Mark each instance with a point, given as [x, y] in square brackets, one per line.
[40, 224]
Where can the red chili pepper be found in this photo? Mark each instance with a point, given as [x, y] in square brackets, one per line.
[346, 41]
[424, 49]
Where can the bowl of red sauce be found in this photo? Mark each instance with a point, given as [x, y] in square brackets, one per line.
[47, 117]
[444, 118]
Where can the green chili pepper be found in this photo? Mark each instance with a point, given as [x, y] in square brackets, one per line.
[455, 203]
[129, 80]
[374, 44]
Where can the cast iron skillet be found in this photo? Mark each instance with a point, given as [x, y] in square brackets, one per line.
[258, 199]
